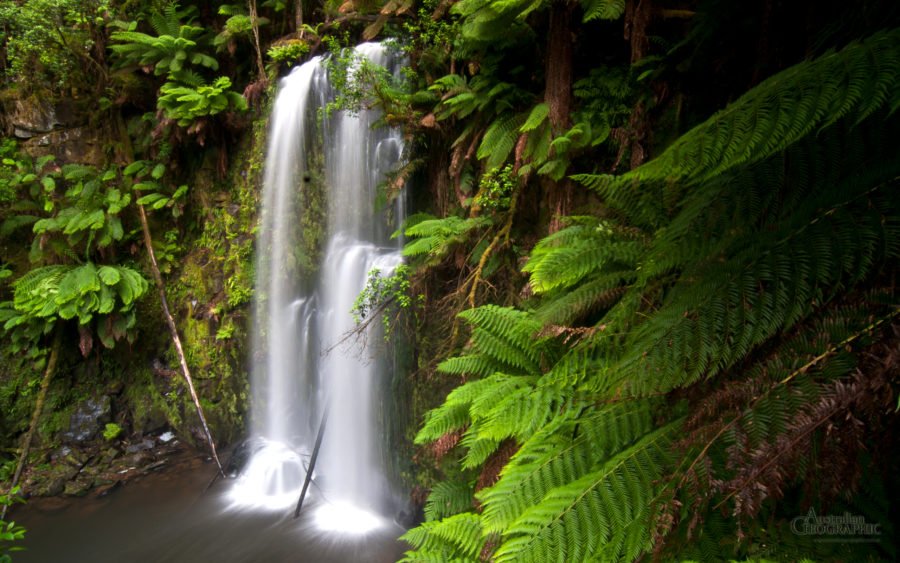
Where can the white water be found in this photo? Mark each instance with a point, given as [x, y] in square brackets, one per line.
[299, 317]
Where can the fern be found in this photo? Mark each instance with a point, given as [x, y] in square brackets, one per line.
[603, 9]
[434, 238]
[559, 453]
[447, 499]
[499, 139]
[852, 83]
[741, 283]
[456, 538]
[503, 339]
[605, 514]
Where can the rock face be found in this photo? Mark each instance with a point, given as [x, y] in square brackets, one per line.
[74, 145]
[31, 117]
[53, 128]
[88, 420]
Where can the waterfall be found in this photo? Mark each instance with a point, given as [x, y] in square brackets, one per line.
[321, 233]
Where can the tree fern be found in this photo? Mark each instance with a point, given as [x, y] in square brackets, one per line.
[605, 514]
[459, 535]
[500, 138]
[434, 238]
[769, 285]
[747, 280]
[565, 258]
[561, 452]
[503, 339]
[851, 83]
[603, 9]
[448, 498]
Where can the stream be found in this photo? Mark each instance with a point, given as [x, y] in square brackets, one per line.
[166, 517]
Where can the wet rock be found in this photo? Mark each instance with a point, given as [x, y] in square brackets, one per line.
[149, 418]
[87, 420]
[61, 454]
[145, 444]
[78, 144]
[31, 117]
[105, 489]
[79, 487]
[156, 465]
[56, 487]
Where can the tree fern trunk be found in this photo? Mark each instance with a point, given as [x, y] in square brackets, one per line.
[558, 69]
[558, 96]
[49, 371]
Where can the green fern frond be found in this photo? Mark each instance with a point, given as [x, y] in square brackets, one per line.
[605, 514]
[709, 324]
[561, 452]
[848, 84]
[603, 9]
[599, 292]
[448, 498]
[435, 238]
[500, 139]
[456, 538]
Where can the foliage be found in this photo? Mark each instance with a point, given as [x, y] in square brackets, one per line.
[187, 104]
[10, 531]
[174, 48]
[238, 25]
[46, 294]
[289, 52]
[50, 44]
[179, 52]
[434, 238]
[495, 189]
[112, 431]
[381, 294]
[701, 347]
[147, 178]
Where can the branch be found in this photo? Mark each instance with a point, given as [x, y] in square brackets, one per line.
[148, 243]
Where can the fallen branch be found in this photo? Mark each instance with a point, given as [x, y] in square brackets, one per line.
[173, 330]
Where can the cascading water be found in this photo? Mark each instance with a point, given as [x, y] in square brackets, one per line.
[314, 258]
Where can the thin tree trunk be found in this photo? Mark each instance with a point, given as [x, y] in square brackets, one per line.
[38, 407]
[148, 242]
[298, 18]
[251, 4]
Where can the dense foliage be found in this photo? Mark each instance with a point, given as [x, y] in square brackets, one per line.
[651, 284]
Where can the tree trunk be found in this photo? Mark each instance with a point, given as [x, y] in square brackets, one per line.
[148, 242]
[558, 96]
[298, 18]
[251, 5]
[558, 70]
[38, 408]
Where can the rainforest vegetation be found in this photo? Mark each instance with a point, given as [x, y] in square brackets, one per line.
[650, 294]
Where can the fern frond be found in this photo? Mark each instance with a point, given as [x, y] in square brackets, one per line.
[500, 139]
[603, 9]
[559, 453]
[766, 120]
[456, 538]
[607, 511]
[448, 498]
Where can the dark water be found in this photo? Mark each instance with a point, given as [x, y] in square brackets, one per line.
[166, 517]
